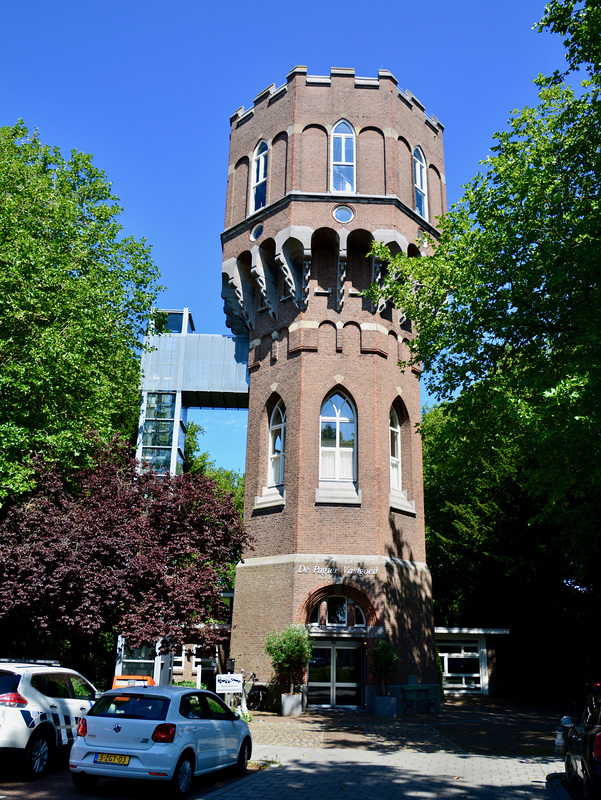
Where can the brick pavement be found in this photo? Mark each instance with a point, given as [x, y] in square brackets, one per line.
[326, 759]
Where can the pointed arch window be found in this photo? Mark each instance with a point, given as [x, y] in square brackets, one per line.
[277, 445]
[398, 499]
[421, 184]
[259, 176]
[338, 439]
[395, 451]
[343, 173]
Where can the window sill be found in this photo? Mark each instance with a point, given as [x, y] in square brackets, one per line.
[271, 498]
[337, 493]
[397, 499]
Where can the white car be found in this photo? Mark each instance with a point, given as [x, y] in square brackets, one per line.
[162, 733]
[40, 709]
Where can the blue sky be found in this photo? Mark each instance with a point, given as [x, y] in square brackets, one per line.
[148, 88]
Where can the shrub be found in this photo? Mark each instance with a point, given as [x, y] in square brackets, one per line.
[289, 651]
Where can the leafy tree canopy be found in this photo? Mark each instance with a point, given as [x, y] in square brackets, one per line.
[76, 299]
[116, 550]
[507, 312]
[507, 304]
[579, 22]
[496, 560]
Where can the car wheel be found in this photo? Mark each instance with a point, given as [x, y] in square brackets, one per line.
[243, 756]
[37, 755]
[570, 774]
[83, 782]
[588, 790]
[182, 777]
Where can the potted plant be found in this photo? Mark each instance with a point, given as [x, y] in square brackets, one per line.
[383, 660]
[290, 651]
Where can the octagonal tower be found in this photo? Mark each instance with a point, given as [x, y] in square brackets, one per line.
[319, 168]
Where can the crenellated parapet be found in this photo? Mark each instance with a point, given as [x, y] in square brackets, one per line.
[272, 94]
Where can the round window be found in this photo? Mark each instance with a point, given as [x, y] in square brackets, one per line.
[343, 214]
[256, 231]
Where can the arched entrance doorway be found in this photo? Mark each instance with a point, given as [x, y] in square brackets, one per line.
[338, 619]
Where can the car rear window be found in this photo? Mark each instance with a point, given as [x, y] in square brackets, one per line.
[130, 706]
[8, 681]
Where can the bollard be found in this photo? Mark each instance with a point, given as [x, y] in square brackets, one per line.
[560, 744]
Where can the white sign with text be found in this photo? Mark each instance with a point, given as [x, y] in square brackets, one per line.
[228, 683]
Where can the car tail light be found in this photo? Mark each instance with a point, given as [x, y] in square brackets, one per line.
[13, 700]
[164, 733]
[82, 728]
[597, 747]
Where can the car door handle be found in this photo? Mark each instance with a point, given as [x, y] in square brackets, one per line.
[84, 708]
[53, 705]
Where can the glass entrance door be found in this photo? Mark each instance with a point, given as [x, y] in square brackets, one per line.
[335, 675]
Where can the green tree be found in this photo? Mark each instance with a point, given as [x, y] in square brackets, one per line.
[507, 304]
[290, 651]
[76, 299]
[579, 22]
[495, 559]
[506, 307]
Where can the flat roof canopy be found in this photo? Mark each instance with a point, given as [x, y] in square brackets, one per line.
[210, 370]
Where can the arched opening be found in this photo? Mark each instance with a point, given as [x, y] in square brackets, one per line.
[324, 262]
[358, 265]
[421, 183]
[259, 177]
[338, 616]
[343, 166]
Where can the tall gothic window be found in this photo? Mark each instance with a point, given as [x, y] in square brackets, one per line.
[343, 158]
[421, 185]
[259, 177]
[277, 444]
[395, 450]
[338, 439]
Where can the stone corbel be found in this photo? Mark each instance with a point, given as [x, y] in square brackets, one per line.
[306, 279]
[266, 283]
[340, 282]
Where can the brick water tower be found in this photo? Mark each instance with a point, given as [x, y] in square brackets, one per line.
[319, 168]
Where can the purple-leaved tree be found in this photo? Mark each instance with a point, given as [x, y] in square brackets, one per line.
[112, 549]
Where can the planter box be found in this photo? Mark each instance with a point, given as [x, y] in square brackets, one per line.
[384, 706]
[292, 705]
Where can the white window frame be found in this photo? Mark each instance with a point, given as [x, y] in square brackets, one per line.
[344, 624]
[468, 648]
[343, 137]
[397, 499]
[396, 478]
[420, 177]
[337, 419]
[259, 175]
[277, 426]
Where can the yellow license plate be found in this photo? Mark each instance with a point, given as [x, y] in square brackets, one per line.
[111, 758]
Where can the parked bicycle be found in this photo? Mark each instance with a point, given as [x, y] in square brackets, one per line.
[257, 695]
[252, 699]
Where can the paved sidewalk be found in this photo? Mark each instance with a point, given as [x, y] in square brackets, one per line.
[310, 773]
[332, 756]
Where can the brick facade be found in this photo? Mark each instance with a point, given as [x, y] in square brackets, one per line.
[292, 280]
